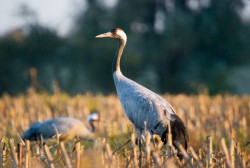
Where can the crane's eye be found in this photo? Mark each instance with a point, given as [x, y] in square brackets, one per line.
[114, 31]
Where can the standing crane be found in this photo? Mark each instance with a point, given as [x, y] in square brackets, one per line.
[142, 105]
[66, 127]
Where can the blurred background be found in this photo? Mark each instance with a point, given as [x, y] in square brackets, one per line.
[174, 46]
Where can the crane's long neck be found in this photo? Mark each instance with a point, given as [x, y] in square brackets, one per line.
[117, 58]
[92, 126]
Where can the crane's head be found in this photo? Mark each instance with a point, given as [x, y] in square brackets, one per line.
[115, 33]
[93, 117]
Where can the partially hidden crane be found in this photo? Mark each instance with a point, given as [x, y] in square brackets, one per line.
[66, 127]
[142, 105]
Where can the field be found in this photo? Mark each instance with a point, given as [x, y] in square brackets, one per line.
[219, 128]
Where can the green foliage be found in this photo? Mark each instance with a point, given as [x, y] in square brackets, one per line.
[20, 52]
[171, 48]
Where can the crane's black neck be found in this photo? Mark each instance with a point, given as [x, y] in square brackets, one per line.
[92, 126]
[117, 58]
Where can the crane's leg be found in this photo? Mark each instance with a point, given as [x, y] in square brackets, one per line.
[119, 148]
[140, 153]
[139, 142]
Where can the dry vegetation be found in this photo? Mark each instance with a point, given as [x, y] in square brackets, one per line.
[218, 127]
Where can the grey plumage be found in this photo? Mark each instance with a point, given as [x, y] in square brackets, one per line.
[66, 127]
[141, 104]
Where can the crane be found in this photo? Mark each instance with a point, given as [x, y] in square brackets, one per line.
[67, 128]
[142, 105]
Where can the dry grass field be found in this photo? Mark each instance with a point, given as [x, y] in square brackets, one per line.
[219, 128]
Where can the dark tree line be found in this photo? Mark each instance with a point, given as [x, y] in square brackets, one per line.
[171, 48]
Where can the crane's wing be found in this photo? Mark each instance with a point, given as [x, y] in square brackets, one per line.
[142, 105]
[46, 129]
[66, 127]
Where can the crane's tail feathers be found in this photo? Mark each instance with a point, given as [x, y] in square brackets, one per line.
[179, 134]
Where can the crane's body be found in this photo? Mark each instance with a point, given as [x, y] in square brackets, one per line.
[142, 106]
[66, 127]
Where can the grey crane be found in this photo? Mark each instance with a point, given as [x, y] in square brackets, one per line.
[142, 105]
[67, 127]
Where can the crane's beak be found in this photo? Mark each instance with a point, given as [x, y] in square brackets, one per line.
[108, 34]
